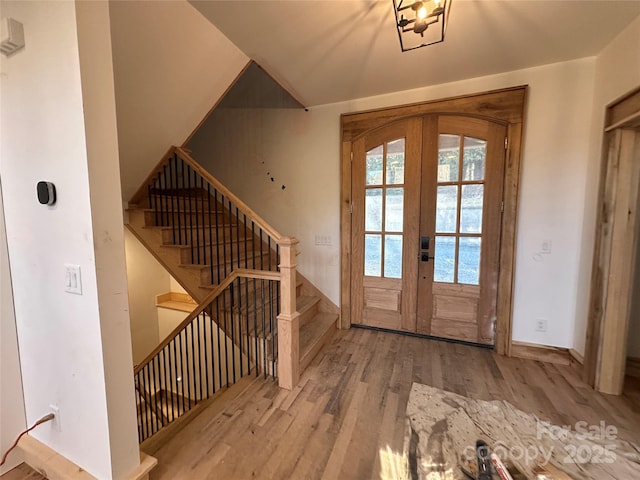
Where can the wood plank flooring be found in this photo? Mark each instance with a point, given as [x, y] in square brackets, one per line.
[345, 420]
[22, 472]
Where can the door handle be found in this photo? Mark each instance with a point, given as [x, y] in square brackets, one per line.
[424, 256]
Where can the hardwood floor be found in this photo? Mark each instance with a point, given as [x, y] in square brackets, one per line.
[345, 420]
[22, 472]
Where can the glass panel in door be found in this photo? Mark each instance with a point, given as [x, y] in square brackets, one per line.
[459, 209]
[384, 209]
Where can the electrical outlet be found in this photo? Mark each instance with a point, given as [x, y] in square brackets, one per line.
[541, 325]
[546, 246]
[56, 424]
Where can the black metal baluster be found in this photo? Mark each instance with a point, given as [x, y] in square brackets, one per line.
[183, 208]
[224, 239]
[170, 389]
[152, 398]
[138, 409]
[217, 237]
[163, 379]
[179, 191]
[159, 200]
[141, 434]
[233, 340]
[143, 403]
[192, 394]
[204, 217]
[211, 323]
[210, 232]
[151, 199]
[185, 371]
[244, 239]
[240, 344]
[269, 252]
[261, 251]
[238, 264]
[163, 198]
[175, 373]
[218, 340]
[226, 342]
[172, 191]
[271, 319]
[205, 336]
[189, 215]
[197, 320]
[264, 330]
[274, 327]
[231, 267]
[255, 323]
[196, 214]
[253, 244]
[147, 400]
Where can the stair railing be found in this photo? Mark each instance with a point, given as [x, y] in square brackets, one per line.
[232, 333]
[226, 235]
[197, 211]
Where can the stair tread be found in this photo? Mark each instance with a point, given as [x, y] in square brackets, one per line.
[212, 286]
[189, 227]
[228, 261]
[305, 302]
[314, 330]
[187, 211]
[207, 244]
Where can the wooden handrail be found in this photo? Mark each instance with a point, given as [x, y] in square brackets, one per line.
[243, 207]
[237, 273]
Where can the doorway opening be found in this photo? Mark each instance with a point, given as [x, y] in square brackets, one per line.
[613, 312]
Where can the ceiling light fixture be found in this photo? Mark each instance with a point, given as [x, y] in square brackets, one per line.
[421, 23]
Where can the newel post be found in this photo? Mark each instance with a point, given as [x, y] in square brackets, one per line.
[288, 320]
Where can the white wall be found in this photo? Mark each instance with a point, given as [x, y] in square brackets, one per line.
[58, 124]
[617, 73]
[171, 65]
[301, 151]
[12, 417]
[174, 286]
[146, 279]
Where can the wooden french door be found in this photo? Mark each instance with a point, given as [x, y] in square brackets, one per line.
[386, 186]
[427, 198]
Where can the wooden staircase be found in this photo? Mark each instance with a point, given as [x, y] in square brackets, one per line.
[200, 235]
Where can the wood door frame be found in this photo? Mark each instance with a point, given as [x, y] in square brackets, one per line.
[616, 239]
[506, 106]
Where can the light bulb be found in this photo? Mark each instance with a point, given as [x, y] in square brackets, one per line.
[437, 2]
[422, 13]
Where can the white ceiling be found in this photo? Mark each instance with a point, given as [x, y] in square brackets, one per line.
[326, 51]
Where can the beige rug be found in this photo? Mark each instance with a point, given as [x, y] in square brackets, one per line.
[442, 428]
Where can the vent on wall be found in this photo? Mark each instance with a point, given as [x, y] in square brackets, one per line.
[12, 36]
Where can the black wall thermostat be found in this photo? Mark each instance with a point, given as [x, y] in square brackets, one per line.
[46, 193]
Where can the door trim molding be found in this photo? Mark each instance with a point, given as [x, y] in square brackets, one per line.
[506, 106]
[616, 238]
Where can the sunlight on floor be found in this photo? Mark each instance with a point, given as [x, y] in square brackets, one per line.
[395, 466]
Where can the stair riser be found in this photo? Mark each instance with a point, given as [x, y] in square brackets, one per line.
[185, 219]
[188, 235]
[169, 202]
[226, 251]
[308, 315]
